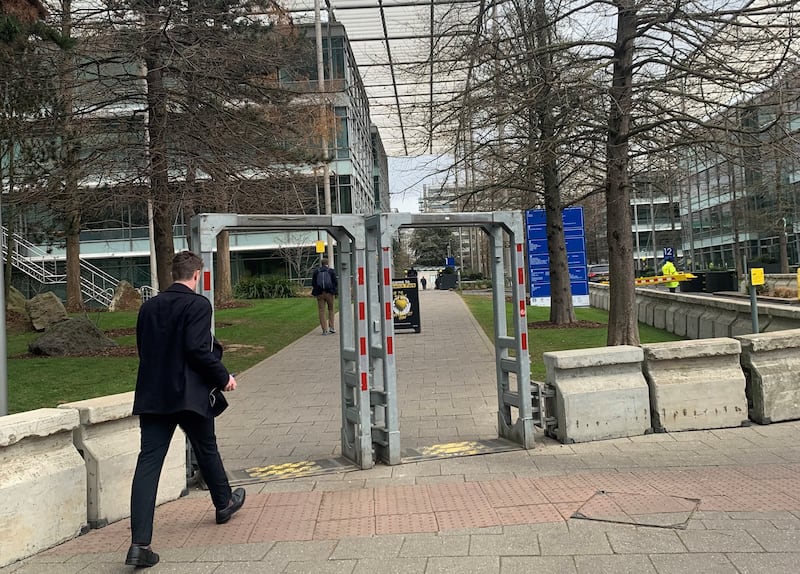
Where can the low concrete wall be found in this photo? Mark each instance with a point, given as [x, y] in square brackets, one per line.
[42, 483]
[108, 438]
[773, 281]
[698, 316]
[697, 386]
[771, 363]
[599, 393]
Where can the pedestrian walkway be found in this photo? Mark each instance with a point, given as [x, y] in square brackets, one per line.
[720, 501]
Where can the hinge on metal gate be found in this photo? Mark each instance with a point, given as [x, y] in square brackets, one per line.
[548, 391]
[550, 423]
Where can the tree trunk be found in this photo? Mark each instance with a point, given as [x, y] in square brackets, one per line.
[623, 328]
[8, 263]
[74, 296]
[223, 291]
[784, 249]
[70, 145]
[157, 149]
[561, 309]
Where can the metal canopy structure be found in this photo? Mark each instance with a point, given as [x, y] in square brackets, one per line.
[397, 47]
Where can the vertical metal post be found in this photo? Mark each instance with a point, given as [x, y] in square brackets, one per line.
[392, 415]
[3, 344]
[385, 417]
[356, 424]
[753, 307]
[521, 430]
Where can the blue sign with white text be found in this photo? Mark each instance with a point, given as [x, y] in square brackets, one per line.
[539, 258]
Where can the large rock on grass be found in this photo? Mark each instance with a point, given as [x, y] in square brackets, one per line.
[46, 309]
[73, 337]
[126, 298]
[17, 317]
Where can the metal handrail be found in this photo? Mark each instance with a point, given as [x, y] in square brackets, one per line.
[96, 284]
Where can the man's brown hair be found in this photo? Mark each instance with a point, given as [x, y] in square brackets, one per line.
[184, 264]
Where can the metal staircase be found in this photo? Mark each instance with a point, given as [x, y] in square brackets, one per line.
[96, 284]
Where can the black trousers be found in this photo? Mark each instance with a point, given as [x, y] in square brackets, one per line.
[157, 431]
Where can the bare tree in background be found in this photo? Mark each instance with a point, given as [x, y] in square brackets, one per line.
[666, 67]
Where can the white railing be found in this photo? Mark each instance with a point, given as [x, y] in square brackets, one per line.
[96, 284]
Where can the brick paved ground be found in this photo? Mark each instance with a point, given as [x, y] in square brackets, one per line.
[716, 501]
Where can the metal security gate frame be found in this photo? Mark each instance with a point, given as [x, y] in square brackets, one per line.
[380, 229]
[348, 231]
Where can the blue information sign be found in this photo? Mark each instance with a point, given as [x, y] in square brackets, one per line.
[539, 259]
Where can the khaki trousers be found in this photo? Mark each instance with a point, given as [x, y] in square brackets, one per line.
[325, 301]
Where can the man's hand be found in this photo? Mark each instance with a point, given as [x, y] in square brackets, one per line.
[231, 386]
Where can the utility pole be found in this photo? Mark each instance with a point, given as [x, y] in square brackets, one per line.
[326, 173]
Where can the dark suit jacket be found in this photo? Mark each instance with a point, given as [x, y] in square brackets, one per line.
[177, 365]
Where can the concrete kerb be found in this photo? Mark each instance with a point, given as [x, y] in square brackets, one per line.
[40, 471]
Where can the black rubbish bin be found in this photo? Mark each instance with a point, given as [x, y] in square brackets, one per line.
[696, 285]
[721, 281]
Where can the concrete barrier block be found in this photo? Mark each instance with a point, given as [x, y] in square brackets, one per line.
[771, 363]
[42, 483]
[723, 325]
[706, 327]
[109, 438]
[600, 393]
[660, 316]
[679, 321]
[696, 386]
[693, 316]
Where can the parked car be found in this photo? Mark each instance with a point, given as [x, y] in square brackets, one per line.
[598, 273]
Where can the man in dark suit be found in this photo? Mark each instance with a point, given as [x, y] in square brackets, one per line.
[177, 371]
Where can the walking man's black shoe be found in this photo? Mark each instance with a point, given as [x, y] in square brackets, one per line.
[236, 502]
[141, 557]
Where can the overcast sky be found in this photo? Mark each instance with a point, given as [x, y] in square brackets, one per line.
[407, 176]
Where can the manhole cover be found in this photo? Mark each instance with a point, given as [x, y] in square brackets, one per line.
[658, 510]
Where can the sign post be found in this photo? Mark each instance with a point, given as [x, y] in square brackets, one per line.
[756, 278]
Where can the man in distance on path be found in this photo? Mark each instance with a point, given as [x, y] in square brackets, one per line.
[324, 285]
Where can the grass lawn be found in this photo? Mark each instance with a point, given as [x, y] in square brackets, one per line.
[249, 334]
[558, 339]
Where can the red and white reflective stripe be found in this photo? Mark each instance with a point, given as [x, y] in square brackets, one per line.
[387, 297]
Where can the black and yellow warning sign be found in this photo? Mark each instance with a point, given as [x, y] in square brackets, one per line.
[405, 304]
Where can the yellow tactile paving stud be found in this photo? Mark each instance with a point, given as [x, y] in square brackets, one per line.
[454, 449]
[465, 448]
[286, 470]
